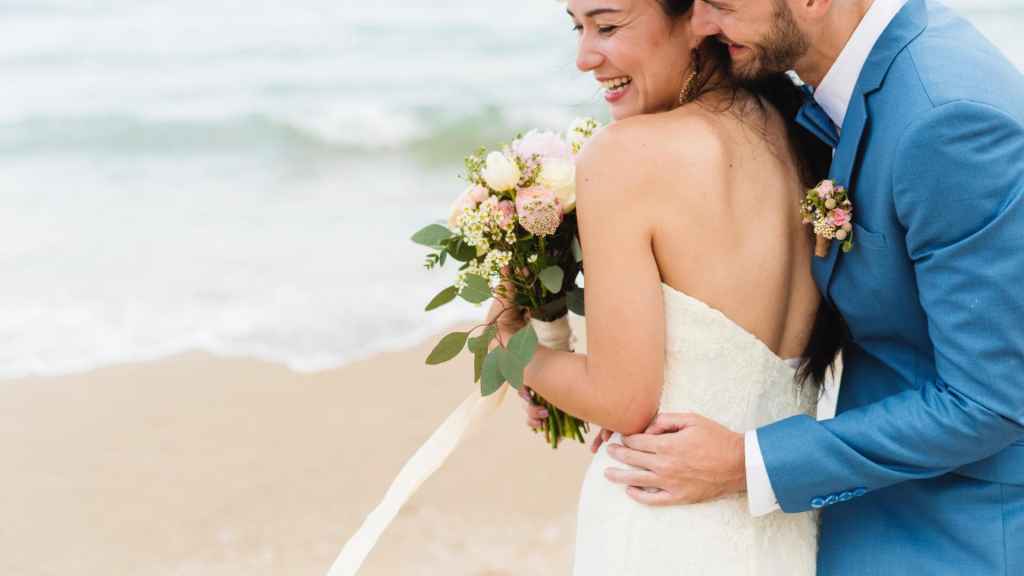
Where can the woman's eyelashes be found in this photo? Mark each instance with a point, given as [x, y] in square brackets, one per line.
[602, 30]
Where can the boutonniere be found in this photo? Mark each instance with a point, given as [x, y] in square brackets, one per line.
[827, 206]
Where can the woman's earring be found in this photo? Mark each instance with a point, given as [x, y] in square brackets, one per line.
[687, 93]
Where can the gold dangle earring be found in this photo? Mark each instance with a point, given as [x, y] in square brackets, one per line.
[687, 93]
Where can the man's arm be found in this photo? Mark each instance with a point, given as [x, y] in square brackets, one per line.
[761, 498]
[959, 193]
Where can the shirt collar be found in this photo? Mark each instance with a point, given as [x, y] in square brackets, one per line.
[836, 89]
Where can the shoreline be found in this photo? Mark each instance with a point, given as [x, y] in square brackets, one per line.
[196, 464]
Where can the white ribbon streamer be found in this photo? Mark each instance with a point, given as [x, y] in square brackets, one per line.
[427, 460]
[431, 456]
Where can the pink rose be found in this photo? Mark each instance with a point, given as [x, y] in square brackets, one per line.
[507, 210]
[840, 217]
[478, 193]
[463, 203]
[539, 211]
[825, 189]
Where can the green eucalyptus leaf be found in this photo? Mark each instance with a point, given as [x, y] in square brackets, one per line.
[577, 250]
[461, 251]
[552, 278]
[523, 344]
[432, 235]
[490, 375]
[575, 301]
[511, 367]
[477, 289]
[448, 348]
[443, 297]
[483, 340]
[478, 363]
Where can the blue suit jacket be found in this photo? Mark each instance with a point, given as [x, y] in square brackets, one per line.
[922, 470]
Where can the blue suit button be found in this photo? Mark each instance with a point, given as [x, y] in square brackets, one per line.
[818, 503]
[846, 496]
[832, 499]
[859, 492]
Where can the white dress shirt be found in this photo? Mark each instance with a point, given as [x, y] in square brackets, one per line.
[833, 95]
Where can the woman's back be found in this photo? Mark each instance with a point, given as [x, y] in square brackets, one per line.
[722, 195]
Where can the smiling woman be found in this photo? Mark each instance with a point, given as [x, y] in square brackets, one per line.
[642, 53]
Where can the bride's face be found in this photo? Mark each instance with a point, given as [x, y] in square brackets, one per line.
[638, 54]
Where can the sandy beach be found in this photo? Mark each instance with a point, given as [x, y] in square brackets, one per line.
[203, 465]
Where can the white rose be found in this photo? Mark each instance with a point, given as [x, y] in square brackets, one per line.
[500, 173]
[559, 176]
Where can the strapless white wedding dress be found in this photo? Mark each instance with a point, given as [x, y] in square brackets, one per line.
[715, 368]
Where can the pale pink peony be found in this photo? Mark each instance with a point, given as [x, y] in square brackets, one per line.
[840, 217]
[539, 211]
[543, 144]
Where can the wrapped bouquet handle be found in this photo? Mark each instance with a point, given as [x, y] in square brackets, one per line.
[556, 334]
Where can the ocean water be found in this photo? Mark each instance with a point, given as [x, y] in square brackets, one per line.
[243, 177]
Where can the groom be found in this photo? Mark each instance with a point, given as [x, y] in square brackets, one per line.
[922, 470]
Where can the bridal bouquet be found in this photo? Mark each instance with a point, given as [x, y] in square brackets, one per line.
[515, 226]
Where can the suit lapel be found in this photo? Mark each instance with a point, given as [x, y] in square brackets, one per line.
[842, 170]
[907, 25]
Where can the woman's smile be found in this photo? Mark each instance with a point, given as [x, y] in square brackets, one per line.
[615, 87]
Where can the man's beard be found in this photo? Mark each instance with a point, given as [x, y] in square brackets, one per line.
[778, 52]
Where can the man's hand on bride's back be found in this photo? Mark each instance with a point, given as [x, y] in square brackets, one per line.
[680, 459]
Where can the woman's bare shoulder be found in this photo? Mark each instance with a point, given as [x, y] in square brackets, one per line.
[659, 151]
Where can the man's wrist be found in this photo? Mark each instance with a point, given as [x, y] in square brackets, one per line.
[739, 483]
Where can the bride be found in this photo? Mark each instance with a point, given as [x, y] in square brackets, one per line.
[699, 293]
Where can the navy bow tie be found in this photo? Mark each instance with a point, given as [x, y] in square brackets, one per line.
[814, 118]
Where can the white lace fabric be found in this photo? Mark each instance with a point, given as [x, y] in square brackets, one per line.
[715, 368]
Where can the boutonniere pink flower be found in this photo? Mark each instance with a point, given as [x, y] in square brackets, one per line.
[828, 208]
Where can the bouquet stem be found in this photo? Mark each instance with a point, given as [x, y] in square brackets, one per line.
[821, 246]
[560, 425]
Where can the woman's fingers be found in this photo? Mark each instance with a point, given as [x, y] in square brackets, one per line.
[600, 439]
[535, 415]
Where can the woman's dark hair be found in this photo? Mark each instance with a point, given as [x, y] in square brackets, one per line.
[828, 334]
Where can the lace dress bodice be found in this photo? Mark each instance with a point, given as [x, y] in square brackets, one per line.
[715, 368]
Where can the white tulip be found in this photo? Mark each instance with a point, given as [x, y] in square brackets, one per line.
[500, 173]
[559, 176]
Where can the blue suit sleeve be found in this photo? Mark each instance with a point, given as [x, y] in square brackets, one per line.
[958, 189]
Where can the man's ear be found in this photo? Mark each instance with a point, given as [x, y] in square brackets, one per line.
[811, 9]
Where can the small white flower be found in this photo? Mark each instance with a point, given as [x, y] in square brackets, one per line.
[500, 172]
[581, 130]
[532, 258]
